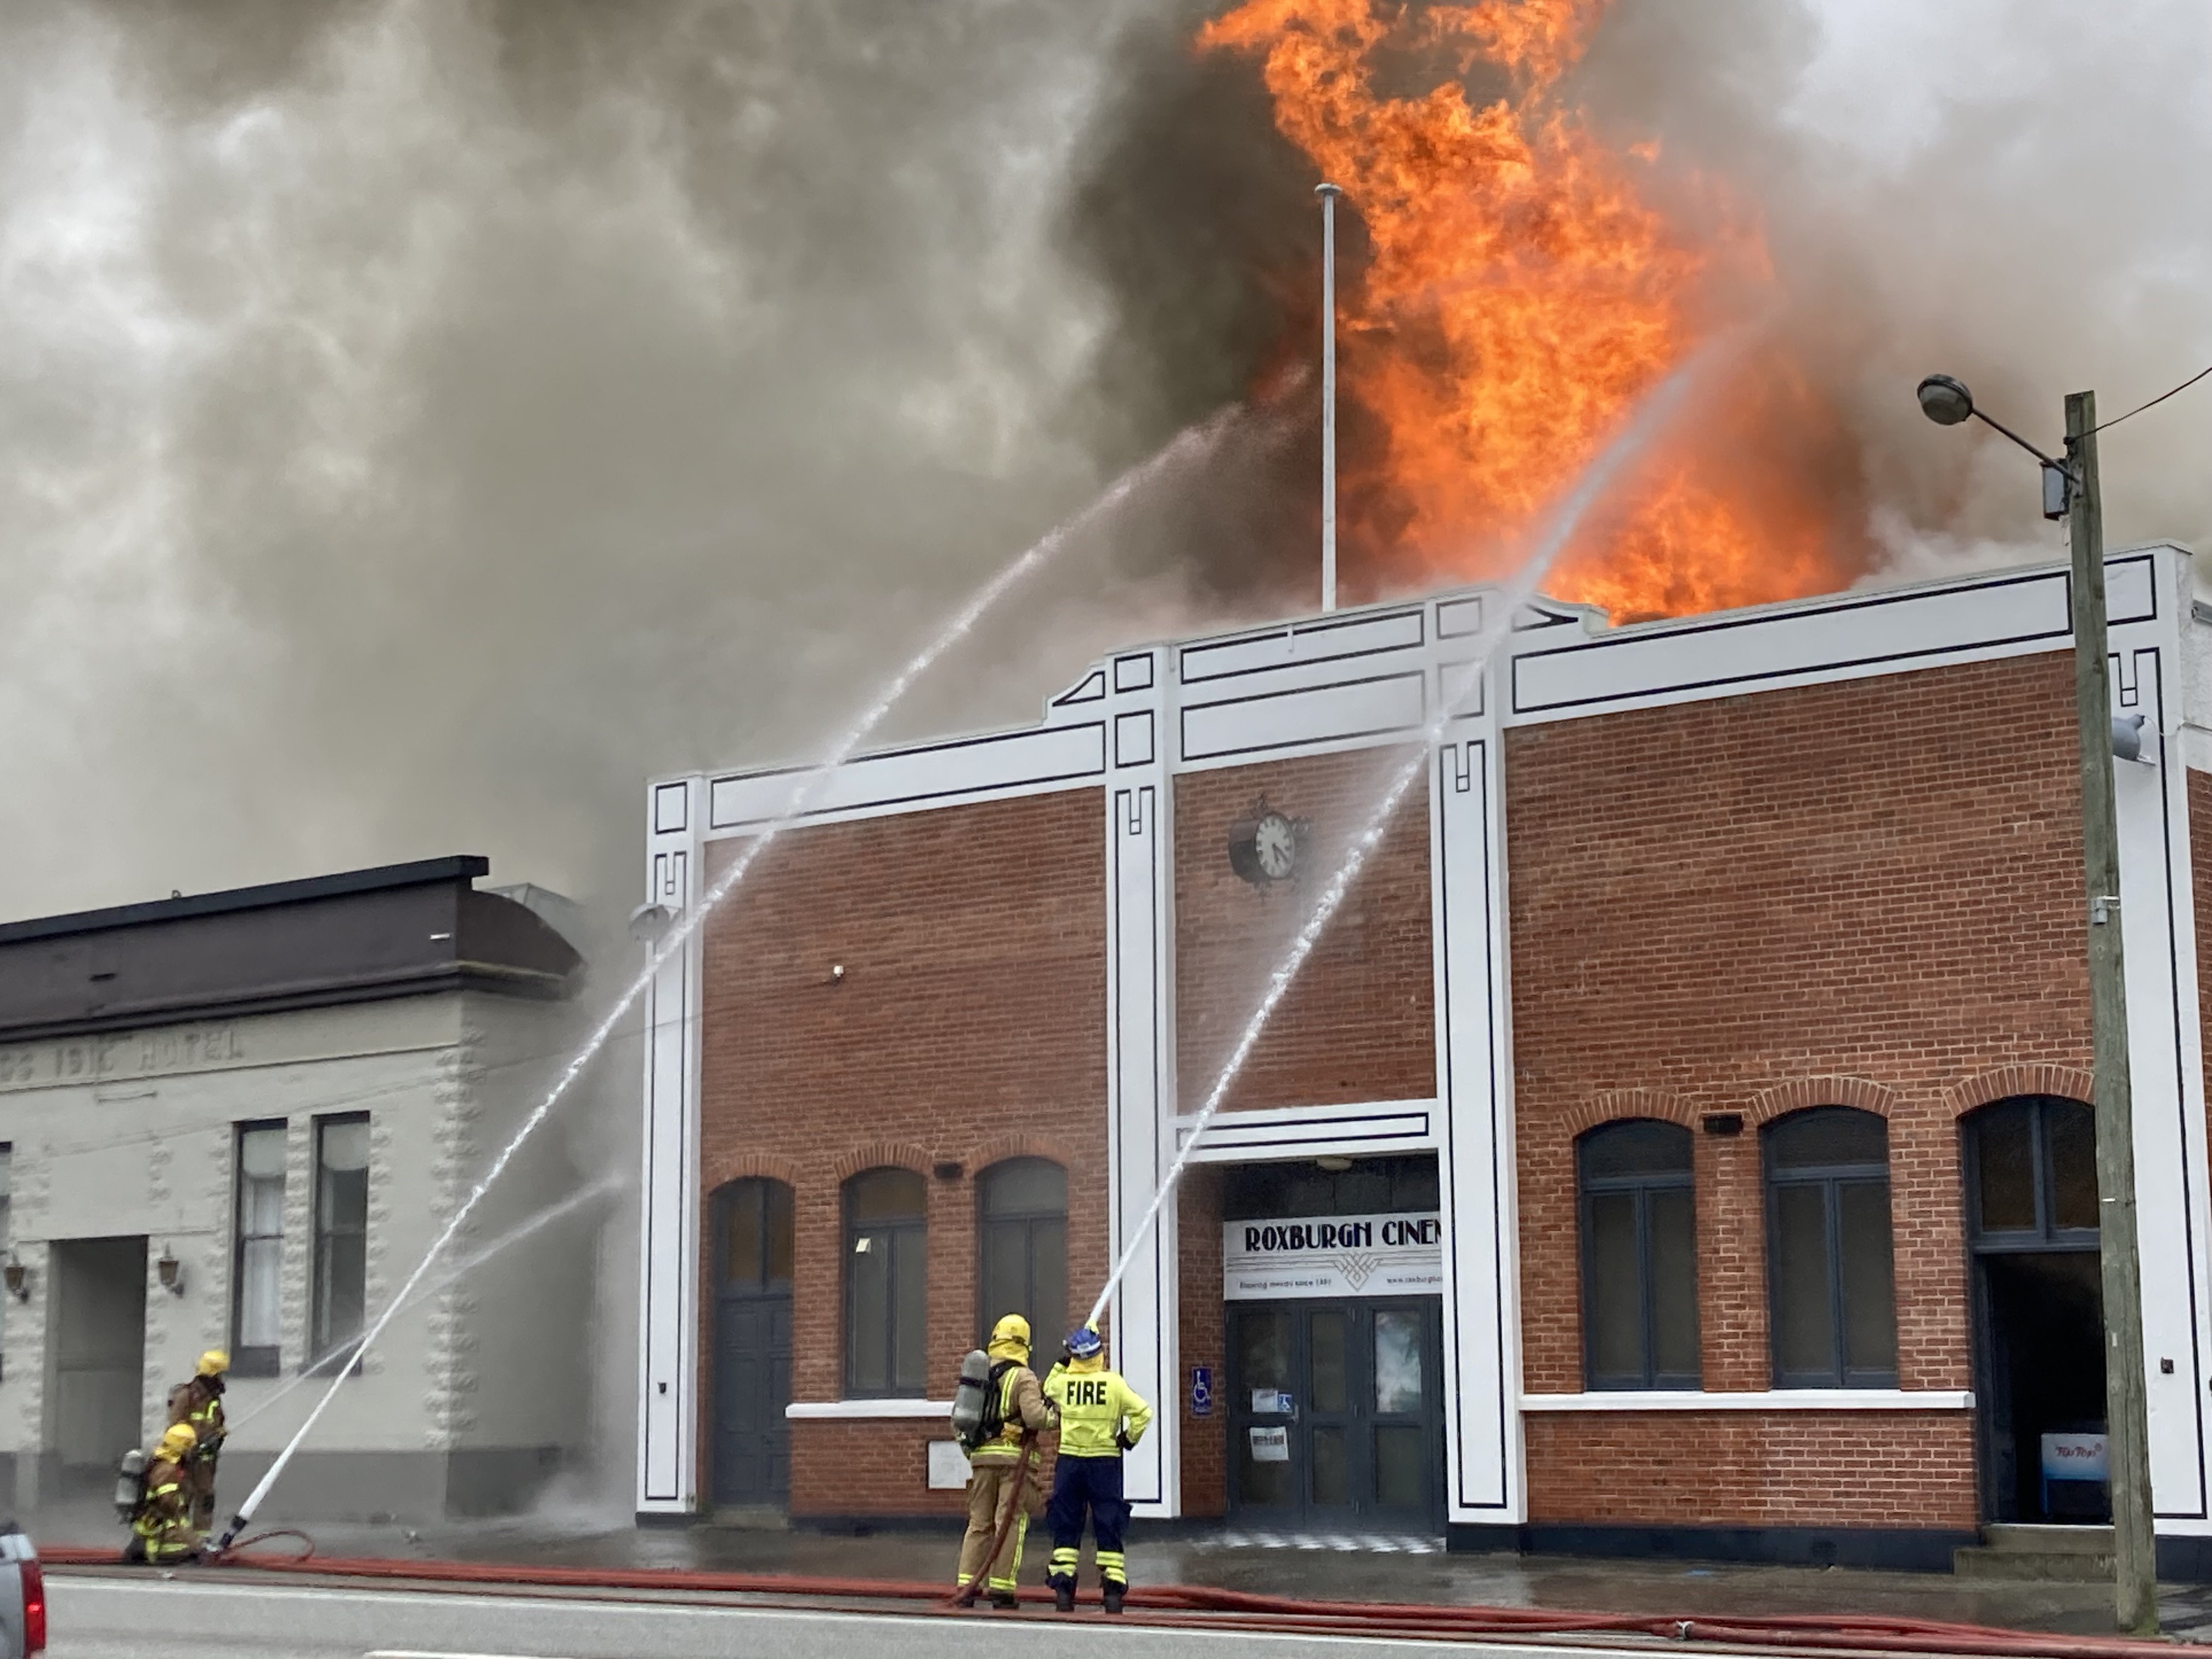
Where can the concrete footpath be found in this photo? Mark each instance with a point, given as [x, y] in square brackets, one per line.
[1365, 1568]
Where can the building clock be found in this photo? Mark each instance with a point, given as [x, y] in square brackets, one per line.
[1264, 846]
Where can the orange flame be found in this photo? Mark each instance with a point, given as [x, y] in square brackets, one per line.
[1521, 297]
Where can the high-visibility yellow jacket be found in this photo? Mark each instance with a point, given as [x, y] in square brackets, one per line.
[1099, 1410]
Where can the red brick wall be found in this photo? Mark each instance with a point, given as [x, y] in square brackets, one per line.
[1202, 1334]
[1753, 1468]
[970, 1025]
[1866, 894]
[1359, 1023]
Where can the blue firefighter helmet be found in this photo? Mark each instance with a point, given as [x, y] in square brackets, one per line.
[1082, 1342]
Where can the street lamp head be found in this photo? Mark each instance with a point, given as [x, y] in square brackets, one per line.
[1327, 189]
[1945, 401]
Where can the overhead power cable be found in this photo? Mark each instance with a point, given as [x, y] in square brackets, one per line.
[2156, 401]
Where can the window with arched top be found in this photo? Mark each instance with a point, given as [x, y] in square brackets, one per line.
[886, 1282]
[1637, 1213]
[2031, 1173]
[752, 1237]
[1021, 1241]
[1831, 1287]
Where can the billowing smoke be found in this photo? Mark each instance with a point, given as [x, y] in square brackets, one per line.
[420, 422]
[1991, 189]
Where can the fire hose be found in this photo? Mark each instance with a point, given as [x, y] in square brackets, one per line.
[1188, 1606]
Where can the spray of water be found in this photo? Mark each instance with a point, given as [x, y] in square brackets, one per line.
[344, 1355]
[1187, 449]
[1458, 682]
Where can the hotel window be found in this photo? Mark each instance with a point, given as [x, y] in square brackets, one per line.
[1832, 1295]
[886, 1283]
[1022, 1244]
[1639, 1249]
[341, 1229]
[256, 1307]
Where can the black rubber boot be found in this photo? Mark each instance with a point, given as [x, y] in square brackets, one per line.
[1114, 1593]
[1003, 1598]
[1063, 1595]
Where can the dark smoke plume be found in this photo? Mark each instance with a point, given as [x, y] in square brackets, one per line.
[418, 423]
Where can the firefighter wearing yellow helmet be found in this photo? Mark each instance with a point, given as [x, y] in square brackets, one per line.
[162, 1528]
[198, 1403]
[1005, 1485]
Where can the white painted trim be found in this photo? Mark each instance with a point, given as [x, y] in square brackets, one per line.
[1770, 1399]
[853, 1410]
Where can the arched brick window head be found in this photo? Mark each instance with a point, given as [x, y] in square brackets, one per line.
[1829, 1269]
[886, 1283]
[1637, 1213]
[1021, 1241]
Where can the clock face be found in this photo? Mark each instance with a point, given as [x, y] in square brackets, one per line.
[1275, 844]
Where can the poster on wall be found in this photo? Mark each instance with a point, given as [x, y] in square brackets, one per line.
[1332, 1255]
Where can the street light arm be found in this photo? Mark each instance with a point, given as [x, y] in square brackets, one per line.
[2064, 466]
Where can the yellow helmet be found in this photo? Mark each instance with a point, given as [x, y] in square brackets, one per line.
[176, 1440]
[1012, 1328]
[214, 1363]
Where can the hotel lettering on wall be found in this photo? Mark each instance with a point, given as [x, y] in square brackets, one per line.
[1332, 1255]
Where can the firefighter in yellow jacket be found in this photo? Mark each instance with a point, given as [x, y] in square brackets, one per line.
[1100, 1417]
[199, 1402]
[1003, 1479]
[161, 1529]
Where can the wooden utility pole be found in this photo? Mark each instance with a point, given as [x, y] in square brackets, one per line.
[2127, 1432]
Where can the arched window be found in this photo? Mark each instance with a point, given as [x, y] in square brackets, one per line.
[2032, 1172]
[752, 1237]
[886, 1282]
[1021, 1228]
[1829, 1285]
[1639, 1252]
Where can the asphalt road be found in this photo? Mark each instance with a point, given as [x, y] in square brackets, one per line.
[149, 1618]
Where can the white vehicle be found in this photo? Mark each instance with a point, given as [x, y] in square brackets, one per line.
[22, 1595]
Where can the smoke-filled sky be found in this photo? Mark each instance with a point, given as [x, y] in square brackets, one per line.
[420, 422]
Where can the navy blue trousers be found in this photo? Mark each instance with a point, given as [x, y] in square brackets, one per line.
[1092, 1486]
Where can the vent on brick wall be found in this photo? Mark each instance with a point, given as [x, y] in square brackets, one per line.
[1721, 1123]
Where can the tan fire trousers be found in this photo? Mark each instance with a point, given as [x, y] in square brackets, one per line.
[993, 1490]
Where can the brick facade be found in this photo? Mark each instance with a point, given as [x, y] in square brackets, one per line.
[1202, 1332]
[1753, 1468]
[1864, 894]
[1359, 1022]
[969, 1026]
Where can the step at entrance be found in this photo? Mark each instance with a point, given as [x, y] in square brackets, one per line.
[2014, 1552]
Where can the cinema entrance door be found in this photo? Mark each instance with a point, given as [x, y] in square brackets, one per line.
[1331, 1274]
[1335, 1415]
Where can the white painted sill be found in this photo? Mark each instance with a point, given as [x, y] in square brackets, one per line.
[1772, 1400]
[862, 1410]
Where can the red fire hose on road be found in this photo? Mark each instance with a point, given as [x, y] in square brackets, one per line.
[1191, 1607]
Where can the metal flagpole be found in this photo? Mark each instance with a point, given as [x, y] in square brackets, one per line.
[1328, 193]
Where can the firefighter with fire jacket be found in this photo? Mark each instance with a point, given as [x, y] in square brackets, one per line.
[199, 1403]
[1100, 1417]
[1005, 1486]
[161, 1528]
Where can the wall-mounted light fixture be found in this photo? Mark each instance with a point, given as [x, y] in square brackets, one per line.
[1333, 1165]
[17, 1277]
[171, 1272]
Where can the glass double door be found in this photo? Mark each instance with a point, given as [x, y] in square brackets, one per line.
[1336, 1413]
